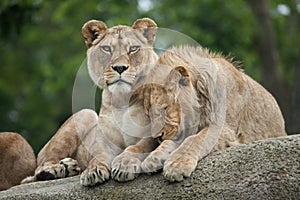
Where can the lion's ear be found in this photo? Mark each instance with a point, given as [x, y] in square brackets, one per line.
[179, 76]
[92, 30]
[185, 76]
[148, 26]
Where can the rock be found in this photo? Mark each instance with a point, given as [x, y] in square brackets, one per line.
[268, 169]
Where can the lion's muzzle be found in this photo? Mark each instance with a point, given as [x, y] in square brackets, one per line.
[120, 68]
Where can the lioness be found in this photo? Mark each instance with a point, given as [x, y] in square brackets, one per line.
[119, 58]
[17, 159]
[117, 143]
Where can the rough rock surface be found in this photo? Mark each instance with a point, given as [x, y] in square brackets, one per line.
[267, 169]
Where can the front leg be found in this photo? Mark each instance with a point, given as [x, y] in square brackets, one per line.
[55, 160]
[127, 165]
[183, 161]
[99, 168]
[156, 159]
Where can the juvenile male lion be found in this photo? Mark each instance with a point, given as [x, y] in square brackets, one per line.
[17, 159]
[234, 109]
[228, 101]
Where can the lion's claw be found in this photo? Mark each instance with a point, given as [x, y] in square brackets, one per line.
[94, 176]
[125, 168]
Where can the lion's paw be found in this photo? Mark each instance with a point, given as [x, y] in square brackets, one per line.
[154, 161]
[125, 168]
[93, 176]
[65, 168]
[71, 167]
[178, 169]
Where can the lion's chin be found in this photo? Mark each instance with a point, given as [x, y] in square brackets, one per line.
[120, 87]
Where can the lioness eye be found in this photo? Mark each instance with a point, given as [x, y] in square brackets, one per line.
[133, 49]
[106, 48]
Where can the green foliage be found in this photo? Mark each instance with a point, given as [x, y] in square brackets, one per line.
[42, 48]
[287, 28]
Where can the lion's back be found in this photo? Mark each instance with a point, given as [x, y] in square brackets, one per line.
[261, 116]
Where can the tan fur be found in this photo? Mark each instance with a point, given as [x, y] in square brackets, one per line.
[156, 105]
[17, 159]
[234, 109]
[162, 103]
[119, 60]
[174, 112]
[220, 106]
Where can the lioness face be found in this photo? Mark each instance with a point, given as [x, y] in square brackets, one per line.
[119, 55]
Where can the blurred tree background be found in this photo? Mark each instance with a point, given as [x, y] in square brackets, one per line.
[42, 48]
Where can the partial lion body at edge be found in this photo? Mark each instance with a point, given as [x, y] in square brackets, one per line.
[17, 159]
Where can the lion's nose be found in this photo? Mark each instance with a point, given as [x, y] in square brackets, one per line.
[120, 68]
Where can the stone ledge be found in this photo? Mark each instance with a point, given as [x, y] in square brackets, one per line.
[268, 169]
